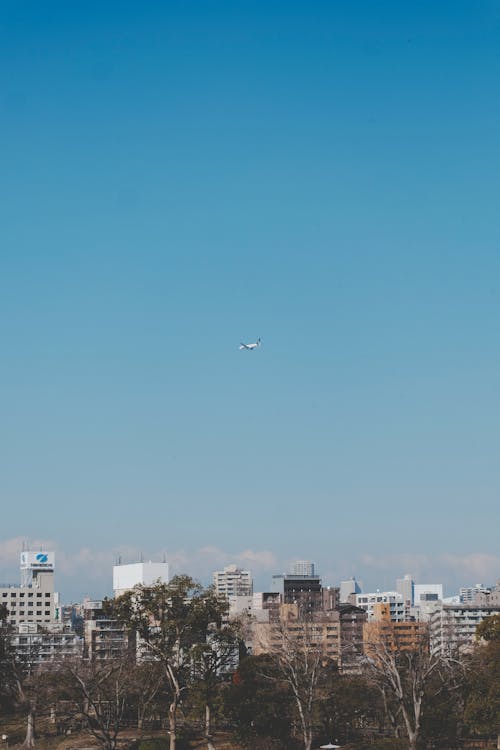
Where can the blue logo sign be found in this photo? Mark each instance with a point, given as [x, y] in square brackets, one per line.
[42, 557]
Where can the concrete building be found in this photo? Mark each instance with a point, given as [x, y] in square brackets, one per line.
[34, 599]
[104, 637]
[453, 626]
[352, 620]
[382, 631]
[266, 606]
[232, 581]
[467, 594]
[349, 589]
[126, 576]
[321, 630]
[404, 587]
[302, 568]
[395, 601]
[490, 597]
[303, 590]
[34, 645]
[427, 592]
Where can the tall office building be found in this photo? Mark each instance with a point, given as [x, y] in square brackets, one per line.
[232, 581]
[34, 599]
[303, 589]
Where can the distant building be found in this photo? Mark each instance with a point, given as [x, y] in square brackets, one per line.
[427, 592]
[403, 635]
[321, 630]
[301, 589]
[468, 594]
[490, 597]
[349, 588]
[126, 576]
[352, 620]
[405, 587]
[104, 637]
[453, 626]
[34, 599]
[34, 644]
[302, 568]
[368, 602]
[233, 581]
[330, 598]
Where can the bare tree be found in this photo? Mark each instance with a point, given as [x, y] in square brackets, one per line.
[100, 694]
[298, 652]
[405, 676]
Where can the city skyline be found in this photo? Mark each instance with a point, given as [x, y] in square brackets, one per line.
[87, 573]
[177, 180]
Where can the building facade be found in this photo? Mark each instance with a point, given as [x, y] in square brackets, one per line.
[34, 599]
[453, 626]
[232, 581]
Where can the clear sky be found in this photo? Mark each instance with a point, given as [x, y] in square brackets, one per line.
[179, 177]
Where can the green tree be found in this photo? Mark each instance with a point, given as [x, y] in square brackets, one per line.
[214, 659]
[482, 710]
[173, 622]
[259, 705]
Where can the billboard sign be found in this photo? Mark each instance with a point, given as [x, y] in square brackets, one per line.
[37, 560]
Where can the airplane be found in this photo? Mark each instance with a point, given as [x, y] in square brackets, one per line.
[250, 347]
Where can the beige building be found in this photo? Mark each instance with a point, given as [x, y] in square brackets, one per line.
[321, 631]
[381, 630]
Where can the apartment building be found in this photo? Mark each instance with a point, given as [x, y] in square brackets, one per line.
[104, 637]
[232, 581]
[35, 645]
[452, 627]
[321, 632]
[382, 631]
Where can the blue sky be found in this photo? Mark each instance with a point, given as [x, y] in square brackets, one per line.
[179, 177]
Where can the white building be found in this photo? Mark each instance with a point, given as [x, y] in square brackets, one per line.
[393, 598]
[468, 594]
[232, 581]
[125, 577]
[452, 627]
[34, 599]
[427, 592]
